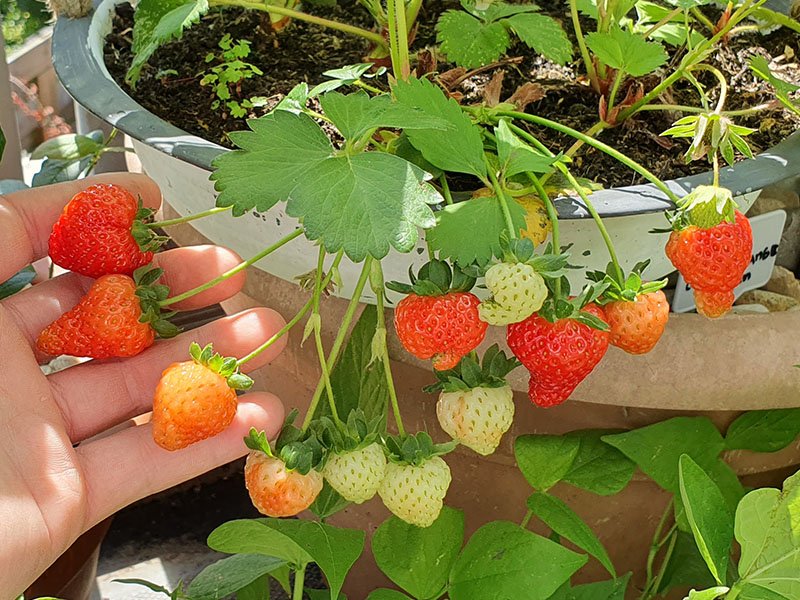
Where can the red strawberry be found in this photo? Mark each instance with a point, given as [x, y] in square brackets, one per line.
[445, 328]
[111, 320]
[713, 261]
[196, 399]
[101, 232]
[559, 355]
[636, 326]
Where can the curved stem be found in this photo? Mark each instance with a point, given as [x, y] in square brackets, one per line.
[187, 218]
[587, 59]
[501, 197]
[697, 14]
[376, 38]
[326, 376]
[339, 340]
[667, 18]
[299, 583]
[283, 331]
[629, 162]
[723, 85]
[412, 11]
[387, 366]
[526, 519]
[612, 97]
[368, 87]
[231, 272]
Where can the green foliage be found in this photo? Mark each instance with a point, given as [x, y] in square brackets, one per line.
[626, 51]
[230, 575]
[68, 157]
[613, 589]
[470, 373]
[598, 467]
[17, 282]
[328, 502]
[287, 156]
[764, 430]
[516, 156]
[419, 559]
[228, 73]
[545, 459]
[760, 67]
[499, 559]
[469, 232]
[258, 589]
[709, 516]
[156, 22]
[709, 594]
[711, 133]
[685, 566]
[674, 32]
[480, 36]
[562, 520]
[384, 594]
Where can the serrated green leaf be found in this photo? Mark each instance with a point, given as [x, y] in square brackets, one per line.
[709, 516]
[598, 467]
[356, 114]
[470, 42]
[545, 459]
[70, 146]
[157, 22]
[461, 150]
[229, 575]
[544, 34]
[470, 231]
[627, 51]
[516, 156]
[427, 555]
[361, 204]
[562, 520]
[764, 430]
[760, 67]
[497, 563]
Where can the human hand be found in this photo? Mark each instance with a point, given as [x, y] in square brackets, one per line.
[50, 489]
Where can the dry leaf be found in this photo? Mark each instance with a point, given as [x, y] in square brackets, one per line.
[493, 89]
[526, 94]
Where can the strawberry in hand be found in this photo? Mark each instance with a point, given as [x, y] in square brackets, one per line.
[438, 319]
[103, 231]
[711, 245]
[118, 317]
[560, 345]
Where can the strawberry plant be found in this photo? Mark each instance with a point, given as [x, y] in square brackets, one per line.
[228, 72]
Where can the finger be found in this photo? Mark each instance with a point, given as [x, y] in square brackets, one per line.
[128, 465]
[97, 395]
[184, 269]
[27, 216]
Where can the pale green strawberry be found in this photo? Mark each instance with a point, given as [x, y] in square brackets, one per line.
[415, 494]
[518, 291]
[357, 474]
[477, 418]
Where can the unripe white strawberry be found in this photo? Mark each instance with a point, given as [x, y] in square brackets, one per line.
[518, 291]
[357, 474]
[477, 418]
[415, 494]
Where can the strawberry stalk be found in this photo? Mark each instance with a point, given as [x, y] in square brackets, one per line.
[294, 321]
[231, 272]
[187, 218]
[552, 214]
[338, 342]
[315, 323]
[501, 197]
[299, 583]
[376, 281]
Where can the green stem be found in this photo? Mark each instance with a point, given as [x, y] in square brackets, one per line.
[187, 218]
[587, 59]
[715, 163]
[368, 87]
[338, 342]
[723, 85]
[501, 197]
[326, 376]
[612, 97]
[412, 11]
[398, 39]
[283, 331]
[231, 272]
[299, 583]
[526, 519]
[448, 197]
[552, 213]
[688, 76]
[598, 221]
[632, 164]
[394, 53]
[697, 14]
[376, 38]
[667, 18]
[665, 562]
[655, 546]
[387, 365]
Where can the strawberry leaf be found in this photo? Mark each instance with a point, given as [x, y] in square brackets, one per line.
[543, 34]
[470, 231]
[627, 51]
[516, 156]
[460, 150]
[362, 204]
[470, 42]
[760, 68]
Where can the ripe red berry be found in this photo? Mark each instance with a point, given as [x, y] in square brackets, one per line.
[97, 233]
[713, 261]
[444, 327]
[558, 355]
[637, 326]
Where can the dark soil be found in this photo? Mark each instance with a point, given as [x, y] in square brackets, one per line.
[170, 86]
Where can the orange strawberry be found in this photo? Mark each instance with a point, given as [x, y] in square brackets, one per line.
[636, 326]
[118, 317]
[196, 399]
[277, 491]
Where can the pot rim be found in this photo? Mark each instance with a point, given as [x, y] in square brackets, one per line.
[87, 80]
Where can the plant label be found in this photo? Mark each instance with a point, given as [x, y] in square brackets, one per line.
[767, 230]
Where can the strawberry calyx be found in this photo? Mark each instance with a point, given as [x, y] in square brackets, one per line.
[705, 207]
[558, 307]
[147, 239]
[356, 434]
[415, 449]
[435, 278]
[299, 450]
[150, 294]
[225, 366]
[628, 290]
[470, 373]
